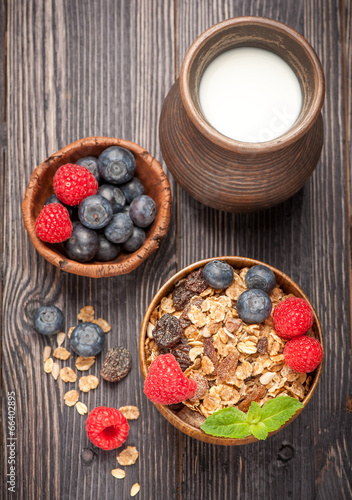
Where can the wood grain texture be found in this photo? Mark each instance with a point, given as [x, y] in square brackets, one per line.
[303, 239]
[76, 69]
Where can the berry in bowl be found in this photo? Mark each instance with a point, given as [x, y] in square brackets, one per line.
[231, 350]
[99, 207]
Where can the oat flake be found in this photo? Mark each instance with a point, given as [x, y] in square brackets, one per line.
[87, 383]
[67, 374]
[135, 489]
[128, 456]
[60, 338]
[130, 412]
[61, 353]
[48, 365]
[82, 364]
[81, 408]
[71, 397]
[46, 352]
[118, 473]
[55, 371]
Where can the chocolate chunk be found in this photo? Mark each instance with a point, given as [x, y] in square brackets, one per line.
[168, 331]
[262, 345]
[195, 281]
[117, 364]
[181, 296]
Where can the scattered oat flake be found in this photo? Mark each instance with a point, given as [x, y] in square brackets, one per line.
[48, 365]
[82, 364]
[86, 313]
[81, 408]
[55, 371]
[70, 331]
[118, 473]
[67, 374]
[130, 412]
[104, 325]
[46, 352]
[135, 489]
[61, 353]
[128, 456]
[87, 383]
[71, 397]
[60, 338]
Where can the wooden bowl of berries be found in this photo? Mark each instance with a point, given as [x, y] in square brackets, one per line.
[231, 350]
[98, 207]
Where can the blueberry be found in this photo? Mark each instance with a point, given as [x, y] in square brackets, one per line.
[91, 163]
[254, 306]
[107, 250]
[126, 209]
[95, 212]
[83, 244]
[87, 339]
[218, 274]
[48, 320]
[142, 211]
[119, 229]
[116, 165]
[132, 189]
[261, 277]
[114, 195]
[135, 241]
[54, 199]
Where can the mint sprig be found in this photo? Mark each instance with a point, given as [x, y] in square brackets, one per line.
[259, 421]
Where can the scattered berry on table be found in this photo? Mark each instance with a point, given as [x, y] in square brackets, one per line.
[91, 163]
[260, 277]
[107, 250]
[107, 428]
[114, 195]
[292, 317]
[95, 212]
[83, 243]
[116, 165]
[53, 224]
[48, 320]
[117, 364]
[254, 306]
[218, 274]
[132, 189]
[73, 183]
[87, 339]
[168, 331]
[166, 384]
[142, 210]
[303, 354]
[135, 241]
[119, 229]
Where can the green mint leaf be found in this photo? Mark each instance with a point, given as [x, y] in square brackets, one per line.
[254, 413]
[259, 430]
[227, 422]
[277, 411]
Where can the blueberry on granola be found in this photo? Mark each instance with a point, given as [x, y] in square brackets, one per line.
[254, 306]
[168, 331]
[87, 339]
[260, 277]
[218, 274]
[48, 320]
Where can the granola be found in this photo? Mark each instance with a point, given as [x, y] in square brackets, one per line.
[234, 363]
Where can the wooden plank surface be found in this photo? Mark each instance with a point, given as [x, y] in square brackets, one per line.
[75, 69]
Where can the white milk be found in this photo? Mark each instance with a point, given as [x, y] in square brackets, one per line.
[250, 94]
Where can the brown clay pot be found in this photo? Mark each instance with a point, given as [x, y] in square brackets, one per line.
[231, 175]
[149, 172]
[286, 284]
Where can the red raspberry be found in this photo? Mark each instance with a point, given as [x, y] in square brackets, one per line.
[166, 383]
[73, 183]
[53, 224]
[107, 428]
[303, 354]
[292, 317]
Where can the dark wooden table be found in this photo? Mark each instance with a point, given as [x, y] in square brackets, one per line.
[72, 69]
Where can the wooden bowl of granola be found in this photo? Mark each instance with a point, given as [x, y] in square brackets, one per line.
[148, 171]
[189, 416]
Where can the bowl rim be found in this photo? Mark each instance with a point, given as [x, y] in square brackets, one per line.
[293, 134]
[237, 262]
[103, 269]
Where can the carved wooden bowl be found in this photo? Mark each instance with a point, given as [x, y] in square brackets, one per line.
[231, 175]
[286, 284]
[149, 172]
